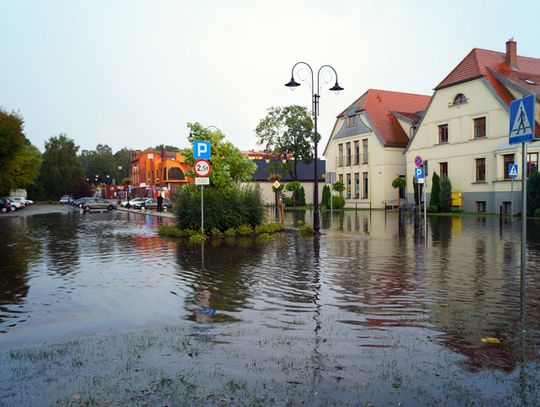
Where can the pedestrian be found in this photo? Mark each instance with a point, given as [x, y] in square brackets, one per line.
[160, 203]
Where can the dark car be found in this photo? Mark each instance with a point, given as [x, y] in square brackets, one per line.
[151, 203]
[6, 205]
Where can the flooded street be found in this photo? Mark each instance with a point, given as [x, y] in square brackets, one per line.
[97, 309]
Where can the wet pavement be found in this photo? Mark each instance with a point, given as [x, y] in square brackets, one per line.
[98, 309]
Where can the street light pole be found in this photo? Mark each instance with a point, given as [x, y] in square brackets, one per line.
[315, 112]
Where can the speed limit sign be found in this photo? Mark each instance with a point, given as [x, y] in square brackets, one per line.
[202, 168]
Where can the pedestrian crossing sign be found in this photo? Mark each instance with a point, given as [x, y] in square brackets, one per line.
[522, 120]
[513, 170]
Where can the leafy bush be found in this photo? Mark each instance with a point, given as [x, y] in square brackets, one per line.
[300, 197]
[264, 236]
[197, 238]
[174, 231]
[231, 232]
[288, 201]
[445, 195]
[338, 202]
[269, 228]
[433, 208]
[306, 230]
[339, 187]
[224, 208]
[215, 232]
[325, 202]
[244, 230]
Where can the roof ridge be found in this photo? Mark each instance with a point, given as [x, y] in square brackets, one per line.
[401, 93]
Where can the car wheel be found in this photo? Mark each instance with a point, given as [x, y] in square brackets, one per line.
[110, 208]
[128, 205]
[143, 207]
[87, 209]
[13, 208]
[4, 209]
[164, 209]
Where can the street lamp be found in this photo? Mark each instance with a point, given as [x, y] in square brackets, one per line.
[315, 112]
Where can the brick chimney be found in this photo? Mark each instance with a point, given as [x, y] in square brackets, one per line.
[511, 53]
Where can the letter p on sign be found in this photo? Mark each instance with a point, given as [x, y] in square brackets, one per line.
[201, 150]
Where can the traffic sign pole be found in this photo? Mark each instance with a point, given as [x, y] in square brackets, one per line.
[523, 231]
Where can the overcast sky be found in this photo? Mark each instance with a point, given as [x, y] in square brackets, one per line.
[133, 73]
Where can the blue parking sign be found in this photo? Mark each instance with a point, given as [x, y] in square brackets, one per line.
[201, 150]
[419, 172]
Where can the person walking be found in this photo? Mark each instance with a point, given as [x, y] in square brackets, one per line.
[160, 203]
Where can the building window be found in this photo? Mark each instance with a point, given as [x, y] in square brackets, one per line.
[459, 99]
[443, 169]
[532, 163]
[480, 169]
[356, 153]
[365, 151]
[351, 121]
[175, 174]
[341, 177]
[480, 206]
[443, 133]
[340, 155]
[357, 185]
[365, 182]
[348, 154]
[349, 191]
[507, 160]
[480, 127]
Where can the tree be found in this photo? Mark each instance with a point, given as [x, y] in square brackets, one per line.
[229, 165]
[434, 199]
[100, 164]
[339, 187]
[326, 196]
[61, 169]
[287, 132]
[399, 182]
[19, 159]
[168, 148]
[123, 159]
[294, 187]
[533, 193]
[445, 196]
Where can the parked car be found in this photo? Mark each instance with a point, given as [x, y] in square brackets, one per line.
[17, 204]
[6, 205]
[151, 203]
[80, 202]
[98, 203]
[65, 199]
[20, 200]
[130, 203]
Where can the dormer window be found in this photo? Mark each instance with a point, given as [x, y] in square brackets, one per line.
[459, 99]
[351, 121]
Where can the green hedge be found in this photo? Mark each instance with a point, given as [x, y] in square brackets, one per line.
[224, 208]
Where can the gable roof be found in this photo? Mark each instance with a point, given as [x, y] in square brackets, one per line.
[379, 106]
[482, 63]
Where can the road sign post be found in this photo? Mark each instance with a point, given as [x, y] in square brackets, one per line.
[513, 173]
[419, 174]
[522, 131]
[202, 169]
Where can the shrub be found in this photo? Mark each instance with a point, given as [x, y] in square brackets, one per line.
[306, 230]
[339, 187]
[338, 202]
[215, 232]
[300, 197]
[445, 195]
[231, 232]
[174, 231]
[325, 202]
[434, 199]
[533, 193]
[263, 236]
[244, 230]
[224, 208]
[288, 201]
[433, 208]
[269, 228]
[197, 238]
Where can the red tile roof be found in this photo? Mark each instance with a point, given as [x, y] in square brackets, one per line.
[476, 64]
[379, 105]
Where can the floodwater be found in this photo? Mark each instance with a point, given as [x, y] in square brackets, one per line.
[97, 309]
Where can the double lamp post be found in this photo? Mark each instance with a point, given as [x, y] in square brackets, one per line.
[315, 112]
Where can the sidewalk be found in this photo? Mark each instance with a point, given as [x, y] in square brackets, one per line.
[169, 215]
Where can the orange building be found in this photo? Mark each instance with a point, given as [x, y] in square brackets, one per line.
[158, 171]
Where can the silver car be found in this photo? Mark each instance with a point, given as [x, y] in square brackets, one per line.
[98, 203]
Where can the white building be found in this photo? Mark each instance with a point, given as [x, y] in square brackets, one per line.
[367, 143]
[464, 131]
